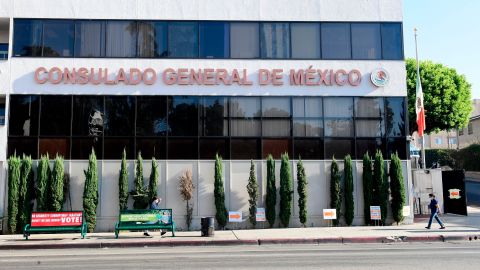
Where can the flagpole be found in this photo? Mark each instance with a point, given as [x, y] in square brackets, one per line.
[418, 76]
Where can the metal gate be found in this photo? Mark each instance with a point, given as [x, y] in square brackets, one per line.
[454, 195]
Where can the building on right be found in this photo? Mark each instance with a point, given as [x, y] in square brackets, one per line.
[471, 134]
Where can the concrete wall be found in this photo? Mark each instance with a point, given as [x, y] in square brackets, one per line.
[236, 175]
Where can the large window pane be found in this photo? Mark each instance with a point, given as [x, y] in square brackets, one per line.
[307, 128]
[305, 40]
[338, 148]
[54, 146]
[392, 44]
[20, 146]
[276, 127]
[338, 107]
[113, 148]
[397, 145]
[27, 38]
[119, 116]
[210, 147]
[182, 148]
[276, 148]
[214, 40]
[82, 147]
[152, 116]
[371, 146]
[55, 114]
[183, 116]
[336, 41]
[183, 39]
[276, 107]
[338, 128]
[244, 40]
[88, 116]
[369, 128]
[275, 40]
[395, 116]
[214, 115]
[152, 39]
[121, 38]
[152, 147]
[245, 107]
[245, 149]
[307, 107]
[366, 42]
[90, 38]
[23, 115]
[58, 38]
[369, 107]
[245, 127]
[308, 149]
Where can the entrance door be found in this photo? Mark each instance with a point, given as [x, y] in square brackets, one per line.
[454, 196]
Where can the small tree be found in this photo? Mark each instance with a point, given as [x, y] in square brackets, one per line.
[335, 189]
[123, 183]
[252, 189]
[219, 193]
[397, 187]
[57, 180]
[380, 194]
[90, 192]
[25, 192]
[302, 192]
[286, 191]
[367, 187]
[139, 194]
[14, 172]
[43, 182]
[186, 191]
[153, 183]
[271, 197]
[349, 202]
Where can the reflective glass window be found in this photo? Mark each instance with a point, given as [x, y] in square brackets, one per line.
[366, 43]
[20, 146]
[395, 116]
[183, 116]
[23, 115]
[392, 43]
[276, 147]
[152, 39]
[371, 146]
[90, 38]
[369, 107]
[335, 41]
[152, 147]
[82, 147]
[245, 149]
[210, 147]
[276, 107]
[182, 148]
[338, 148]
[305, 40]
[27, 37]
[58, 37]
[308, 148]
[55, 112]
[121, 38]
[275, 40]
[88, 116]
[119, 117]
[183, 39]
[113, 148]
[397, 145]
[54, 146]
[152, 116]
[214, 40]
[214, 116]
[244, 40]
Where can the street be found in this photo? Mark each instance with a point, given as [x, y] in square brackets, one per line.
[464, 255]
[473, 192]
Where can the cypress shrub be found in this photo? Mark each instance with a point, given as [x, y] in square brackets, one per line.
[57, 180]
[397, 187]
[380, 195]
[252, 189]
[302, 192]
[139, 194]
[43, 183]
[25, 192]
[123, 183]
[367, 187]
[335, 189]
[153, 183]
[271, 196]
[349, 202]
[14, 172]
[286, 191]
[90, 192]
[219, 192]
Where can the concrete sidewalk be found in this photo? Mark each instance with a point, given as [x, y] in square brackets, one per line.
[459, 228]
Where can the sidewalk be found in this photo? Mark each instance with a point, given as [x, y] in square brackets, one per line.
[459, 228]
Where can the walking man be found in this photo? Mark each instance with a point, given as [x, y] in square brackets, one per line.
[435, 210]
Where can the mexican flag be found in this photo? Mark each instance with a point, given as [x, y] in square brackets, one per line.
[419, 109]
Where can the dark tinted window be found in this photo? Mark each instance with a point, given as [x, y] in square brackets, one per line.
[20, 146]
[308, 149]
[336, 41]
[58, 38]
[183, 39]
[366, 43]
[214, 40]
[392, 44]
[183, 148]
[214, 116]
[210, 147]
[55, 115]
[183, 116]
[152, 147]
[152, 39]
[371, 146]
[54, 146]
[88, 116]
[119, 116]
[152, 116]
[23, 115]
[245, 149]
[305, 40]
[244, 40]
[397, 145]
[82, 147]
[276, 147]
[338, 117]
[113, 148]
[338, 148]
[395, 116]
[3, 51]
[90, 38]
[121, 38]
[275, 40]
[27, 37]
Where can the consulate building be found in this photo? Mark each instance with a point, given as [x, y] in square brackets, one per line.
[183, 80]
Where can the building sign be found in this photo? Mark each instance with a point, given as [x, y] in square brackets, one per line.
[234, 216]
[201, 76]
[454, 193]
[260, 215]
[406, 211]
[46, 219]
[375, 213]
[329, 213]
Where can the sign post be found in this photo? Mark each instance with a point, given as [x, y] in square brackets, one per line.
[234, 216]
[375, 214]
[329, 214]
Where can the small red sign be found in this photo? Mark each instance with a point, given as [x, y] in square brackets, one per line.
[47, 219]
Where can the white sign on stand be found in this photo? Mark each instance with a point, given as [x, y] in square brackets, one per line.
[375, 213]
[234, 216]
[329, 213]
[406, 211]
[260, 215]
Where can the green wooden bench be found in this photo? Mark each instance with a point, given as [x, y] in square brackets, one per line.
[56, 222]
[148, 219]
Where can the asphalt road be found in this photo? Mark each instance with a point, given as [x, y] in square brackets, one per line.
[473, 192]
[465, 255]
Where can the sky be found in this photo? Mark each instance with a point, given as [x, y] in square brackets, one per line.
[448, 33]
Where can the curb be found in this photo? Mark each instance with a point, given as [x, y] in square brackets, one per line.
[251, 242]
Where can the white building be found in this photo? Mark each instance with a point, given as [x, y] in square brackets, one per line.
[183, 80]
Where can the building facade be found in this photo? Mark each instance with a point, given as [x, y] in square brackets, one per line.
[183, 80]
